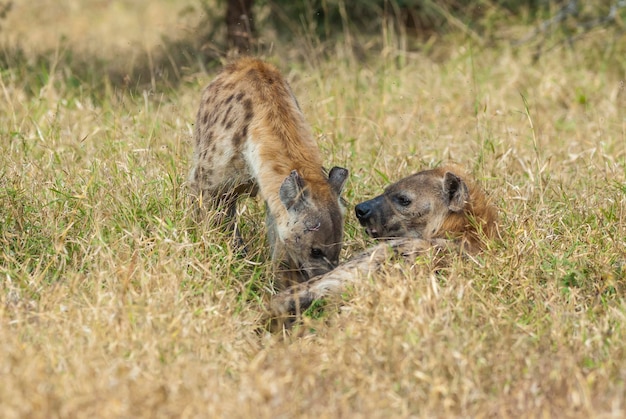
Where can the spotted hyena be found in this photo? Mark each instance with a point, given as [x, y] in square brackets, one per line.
[251, 137]
[433, 210]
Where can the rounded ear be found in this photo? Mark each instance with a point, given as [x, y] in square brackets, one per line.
[455, 192]
[337, 178]
[292, 193]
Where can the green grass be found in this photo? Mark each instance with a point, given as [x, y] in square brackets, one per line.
[114, 303]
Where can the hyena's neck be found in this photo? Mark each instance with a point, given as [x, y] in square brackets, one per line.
[475, 222]
[279, 145]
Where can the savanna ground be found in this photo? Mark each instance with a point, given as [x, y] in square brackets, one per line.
[114, 303]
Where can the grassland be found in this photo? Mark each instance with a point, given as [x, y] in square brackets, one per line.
[113, 303]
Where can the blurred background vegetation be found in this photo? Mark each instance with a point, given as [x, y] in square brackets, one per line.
[214, 29]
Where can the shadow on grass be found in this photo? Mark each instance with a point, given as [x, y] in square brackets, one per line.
[160, 69]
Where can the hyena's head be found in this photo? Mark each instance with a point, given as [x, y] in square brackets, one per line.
[436, 203]
[312, 234]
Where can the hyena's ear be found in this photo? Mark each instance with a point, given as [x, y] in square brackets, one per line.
[455, 192]
[337, 178]
[292, 193]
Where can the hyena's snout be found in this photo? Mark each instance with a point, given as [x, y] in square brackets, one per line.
[368, 214]
[312, 272]
[313, 268]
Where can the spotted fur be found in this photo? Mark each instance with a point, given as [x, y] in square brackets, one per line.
[251, 137]
[437, 210]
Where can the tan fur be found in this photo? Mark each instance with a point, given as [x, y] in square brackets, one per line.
[250, 137]
[475, 222]
[441, 230]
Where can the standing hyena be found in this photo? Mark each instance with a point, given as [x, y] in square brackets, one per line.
[251, 137]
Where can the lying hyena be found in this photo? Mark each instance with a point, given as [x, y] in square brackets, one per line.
[251, 137]
[434, 209]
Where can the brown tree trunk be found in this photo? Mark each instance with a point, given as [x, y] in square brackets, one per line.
[240, 24]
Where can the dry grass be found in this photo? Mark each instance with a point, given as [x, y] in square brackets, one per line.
[114, 304]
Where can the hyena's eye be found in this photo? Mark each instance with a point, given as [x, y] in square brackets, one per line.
[403, 200]
[317, 253]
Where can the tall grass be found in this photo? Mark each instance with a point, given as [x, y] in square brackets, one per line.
[114, 303]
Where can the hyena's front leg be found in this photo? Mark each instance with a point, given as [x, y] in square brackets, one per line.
[296, 299]
[218, 206]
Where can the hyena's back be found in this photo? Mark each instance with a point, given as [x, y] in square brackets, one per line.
[250, 133]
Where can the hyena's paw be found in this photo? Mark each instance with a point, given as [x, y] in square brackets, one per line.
[291, 302]
[286, 308]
